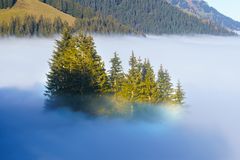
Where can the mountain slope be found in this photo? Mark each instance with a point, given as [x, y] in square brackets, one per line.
[34, 8]
[202, 10]
[34, 17]
[89, 20]
[101, 16]
[154, 17]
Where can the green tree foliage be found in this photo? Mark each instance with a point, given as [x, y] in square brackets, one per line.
[116, 75]
[77, 67]
[178, 96]
[89, 20]
[77, 76]
[131, 85]
[76, 70]
[63, 66]
[98, 72]
[113, 16]
[30, 26]
[104, 25]
[165, 87]
[72, 8]
[148, 88]
[153, 16]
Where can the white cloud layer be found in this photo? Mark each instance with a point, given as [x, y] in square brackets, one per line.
[207, 66]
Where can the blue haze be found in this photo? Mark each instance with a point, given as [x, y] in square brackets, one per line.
[207, 128]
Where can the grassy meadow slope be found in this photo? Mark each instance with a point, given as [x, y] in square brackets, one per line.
[35, 8]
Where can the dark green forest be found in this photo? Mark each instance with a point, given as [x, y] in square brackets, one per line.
[30, 26]
[103, 25]
[153, 17]
[89, 20]
[79, 80]
[114, 16]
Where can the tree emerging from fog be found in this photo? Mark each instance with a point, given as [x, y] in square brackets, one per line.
[78, 78]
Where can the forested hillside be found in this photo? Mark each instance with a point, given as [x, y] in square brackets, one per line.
[32, 17]
[89, 20]
[153, 16]
[47, 17]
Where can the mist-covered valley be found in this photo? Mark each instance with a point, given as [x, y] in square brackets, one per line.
[206, 128]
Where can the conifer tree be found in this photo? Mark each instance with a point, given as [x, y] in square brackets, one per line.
[133, 80]
[164, 86]
[64, 42]
[76, 71]
[97, 67]
[148, 89]
[61, 67]
[77, 74]
[58, 25]
[116, 75]
[178, 95]
[29, 25]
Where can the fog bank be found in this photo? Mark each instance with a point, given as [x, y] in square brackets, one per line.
[29, 132]
[207, 66]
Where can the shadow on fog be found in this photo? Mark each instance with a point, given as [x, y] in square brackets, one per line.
[28, 132]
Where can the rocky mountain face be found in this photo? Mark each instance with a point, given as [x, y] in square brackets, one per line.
[202, 10]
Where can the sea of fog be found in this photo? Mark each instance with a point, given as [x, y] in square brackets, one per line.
[205, 129]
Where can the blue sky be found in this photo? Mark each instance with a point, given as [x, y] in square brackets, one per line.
[230, 8]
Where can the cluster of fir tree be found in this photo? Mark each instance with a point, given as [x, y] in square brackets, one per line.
[78, 79]
[87, 20]
[103, 25]
[90, 21]
[30, 26]
[122, 16]
[140, 84]
[153, 17]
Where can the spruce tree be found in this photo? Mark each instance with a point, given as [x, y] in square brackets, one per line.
[76, 71]
[164, 86]
[77, 74]
[61, 67]
[97, 67]
[178, 95]
[29, 25]
[116, 75]
[58, 25]
[148, 89]
[131, 87]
